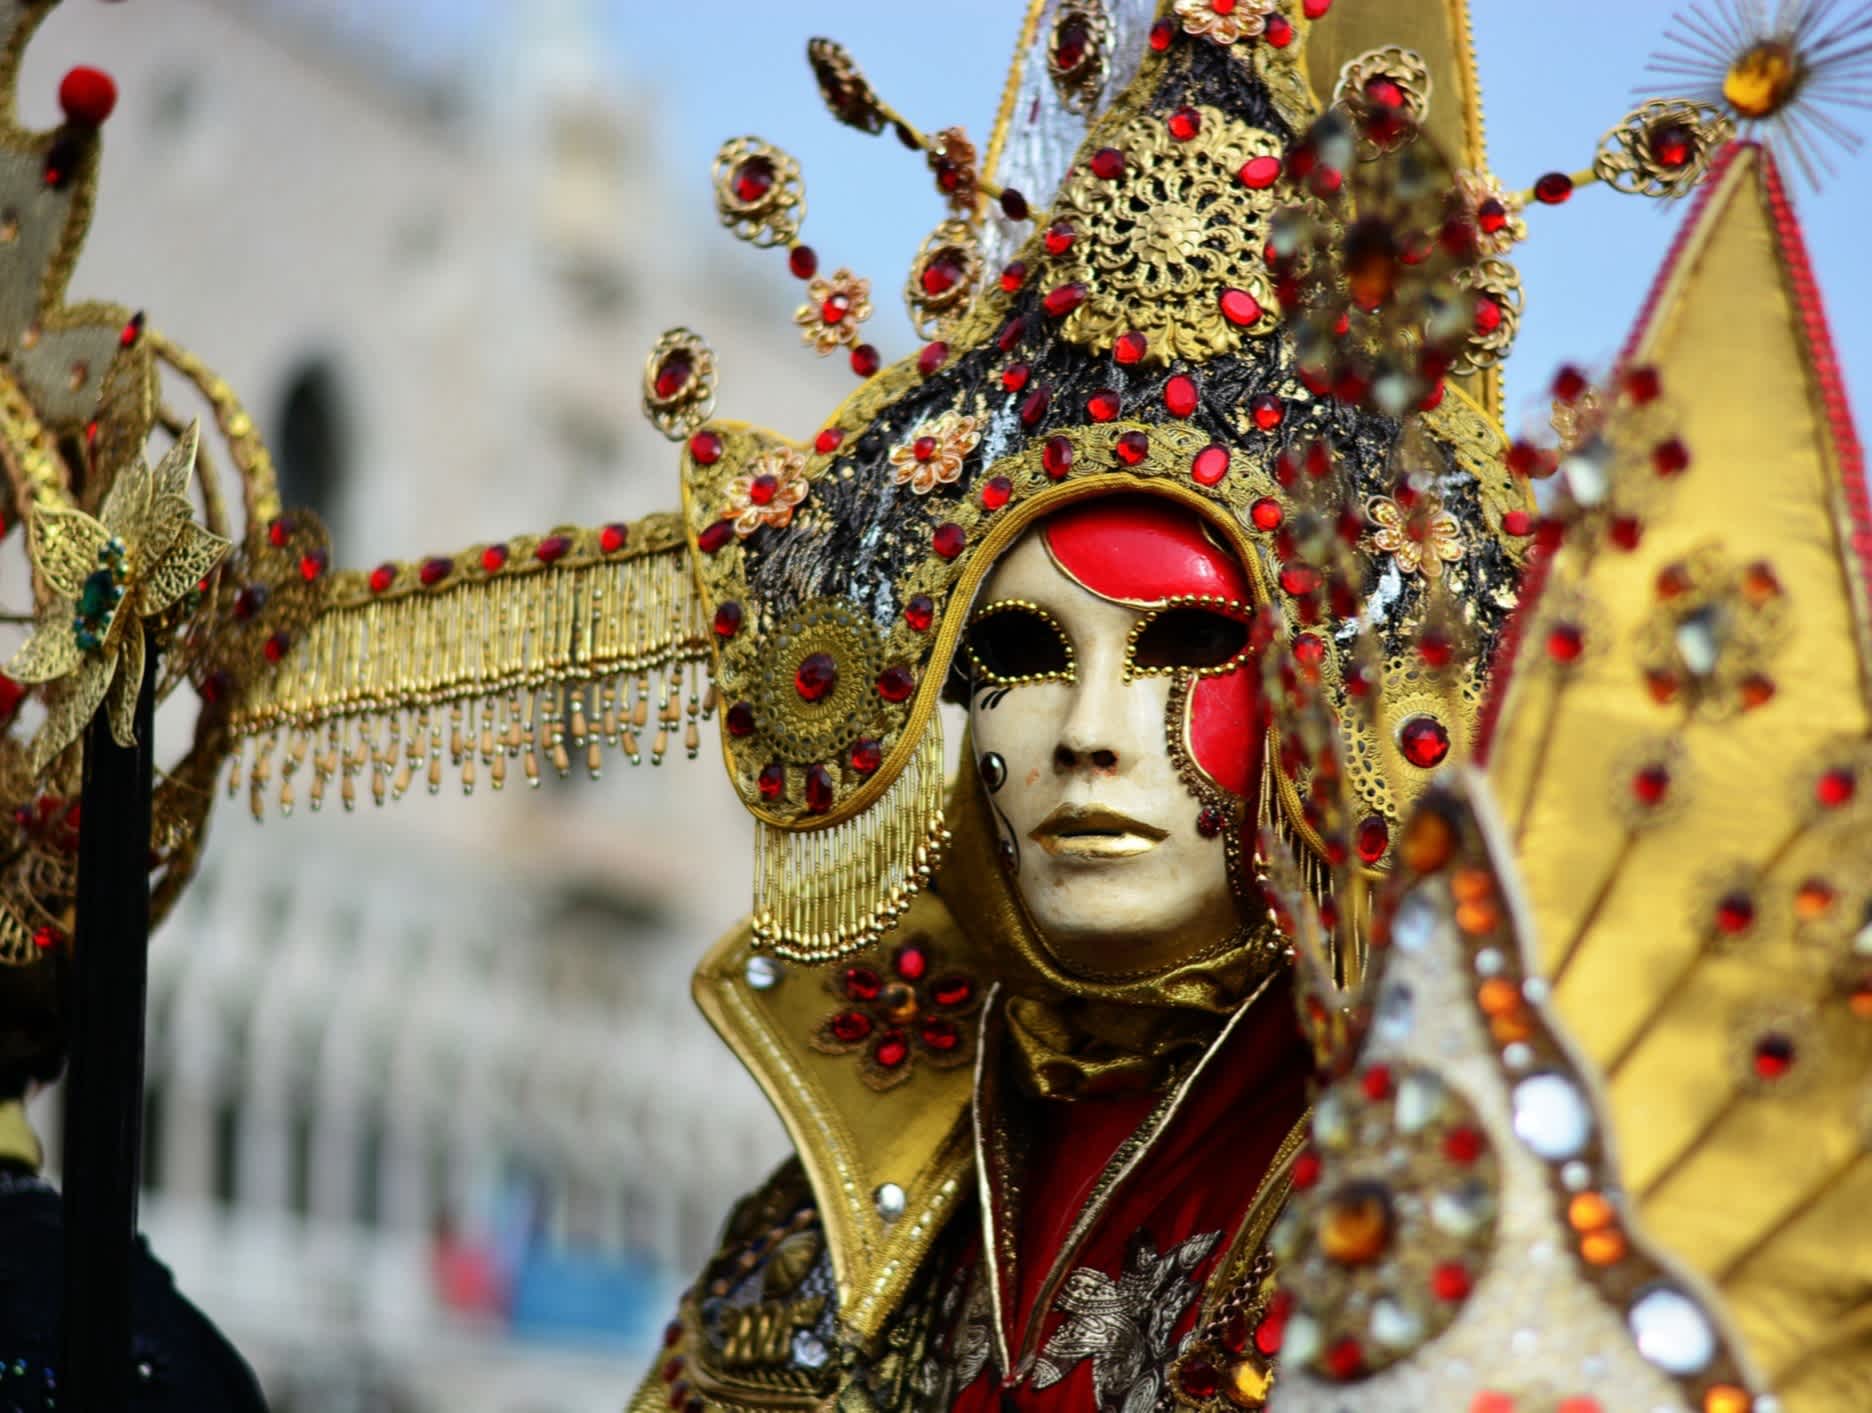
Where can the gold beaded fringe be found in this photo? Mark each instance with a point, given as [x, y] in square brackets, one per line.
[535, 667]
[822, 894]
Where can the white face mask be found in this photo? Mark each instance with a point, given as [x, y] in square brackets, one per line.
[1098, 827]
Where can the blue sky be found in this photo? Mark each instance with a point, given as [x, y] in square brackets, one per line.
[1555, 78]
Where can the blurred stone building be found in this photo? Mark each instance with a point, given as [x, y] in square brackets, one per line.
[432, 1123]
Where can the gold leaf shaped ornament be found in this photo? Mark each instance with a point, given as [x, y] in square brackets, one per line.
[103, 578]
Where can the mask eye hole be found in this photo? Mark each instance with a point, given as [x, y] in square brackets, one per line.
[1012, 643]
[1189, 638]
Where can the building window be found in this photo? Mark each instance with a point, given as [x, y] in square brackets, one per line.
[312, 445]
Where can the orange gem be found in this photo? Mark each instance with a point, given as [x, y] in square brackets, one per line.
[1759, 583]
[1428, 842]
[1727, 1398]
[1355, 1228]
[1859, 999]
[1498, 996]
[1512, 1027]
[1757, 691]
[1603, 1248]
[1662, 686]
[1673, 580]
[1813, 898]
[1491, 1403]
[1580, 1404]
[1590, 1211]
[1471, 885]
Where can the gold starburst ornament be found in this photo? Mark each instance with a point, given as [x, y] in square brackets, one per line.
[107, 576]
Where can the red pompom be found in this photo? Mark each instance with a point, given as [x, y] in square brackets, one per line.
[87, 95]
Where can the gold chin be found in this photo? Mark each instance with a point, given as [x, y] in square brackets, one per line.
[1095, 847]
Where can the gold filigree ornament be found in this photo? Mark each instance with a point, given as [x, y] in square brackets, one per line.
[109, 576]
[1178, 242]
[952, 161]
[847, 94]
[1420, 539]
[679, 384]
[1224, 21]
[1391, 82]
[835, 306]
[758, 192]
[1664, 148]
[1496, 285]
[934, 455]
[1492, 212]
[1079, 54]
[773, 489]
[943, 277]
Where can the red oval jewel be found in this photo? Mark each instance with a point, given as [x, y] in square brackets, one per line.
[1374, 837]
[705, 448]
[494, 558]
[1180, 395]
[1463, 1145]
[911, 961]
[891, 1050]
[866, 755]
[1267, 410]
[1553, 189]
[753, 179]
[552, 548]
[1015, 377]
[1773, 1057]
[772, 781]
[996, 492]
[613, 537]
[1240, 307]
[382, 577]
[1130, 348]
[941, 1036]
[866, 360]
[1132, 448]
[434, 571]
[1108, 164]
[850, 1027]
[950, 992]
[312, 564]
[895, 684]
[1211, 465]
[715, 536]
[1056, 458]
[740, 719]
[1425, 741]
[1185, 123]
[803, 261]
[1102, 406]
[933, 356]
[1298, 577]
[948, 540]
[1259, 173]
[818, 789]
[920, 612]
[727, 619]
[1011, 334]
[672, 376]
[816, 675]
[1266, 513]
[1059, 237]
[1061, 300]
[1450, 1281]
[1033, 408]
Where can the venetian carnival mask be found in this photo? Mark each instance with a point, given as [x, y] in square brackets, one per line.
[1113, 713]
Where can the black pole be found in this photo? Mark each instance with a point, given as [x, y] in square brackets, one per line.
[104, 1084]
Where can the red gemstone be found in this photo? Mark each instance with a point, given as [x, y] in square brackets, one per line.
[948, 540]
[1565, 643]
[1463, 1145]
[1450, 1281]
[1297, 577]
[1270, 1333]
[1670, 457]
[891, 1050]
[1491, 216]
[1130, 348]
[1034, 407]
[434, 571]
[1519, 523]
[818, 789]
[1056, 458]
[923, 448]
[1279, 31]
[1670, 144]
[1306, 1170]
[1211, 465]
[1108, 164]
[1259, 173]
[753, 179]
[1650, 785]
[613, 538]
[933, 356]
[382, 577]
[942, 274]
[1425, 741]
[1773, 1056]
[834, 309]
[772, 781]
[1345, 1359]
[1374, 837]
[1132, 448]
[861, 984]
[1309, 649]
[1014, 276]
[494, 558]
[552, 548]
[911, 961]
[1488, 314]
[705, 448]
[1011, 334]
[1059, 237]
[1179, 395]
[1553, 189]
[1240, 307]
[279, 530]
[1185, 123]
[740, 719]
[1015, 378]
[1376, 1083]
[1266, 513]
[312, 564]
[1313, 9]
[1569, 384]
[1102, 406]
[941, 1036]
[1735, 913]
[1013, 204]
[275, 647]
[727, 619]
[865, 360]
[866, 755]
[952, 991]
[1210, 822]
[1267, 411]
[803, 261]
[1200, 1379]
[895, 684]
[672, 376]
[1643, 385]
[1835, 788]
[920, 612]
[816, 675]
[1161, 33]
[1061, 300]
[850, 1027]
[87, 96]
[996, 492]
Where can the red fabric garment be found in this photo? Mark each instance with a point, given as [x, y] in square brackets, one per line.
[1199, 1176]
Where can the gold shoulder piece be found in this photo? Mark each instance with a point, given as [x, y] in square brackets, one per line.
[1683, 758]
[870, 1066]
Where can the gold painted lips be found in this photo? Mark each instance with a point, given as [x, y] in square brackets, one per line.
[1095, 832]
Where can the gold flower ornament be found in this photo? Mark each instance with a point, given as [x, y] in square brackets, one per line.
[107, 575]
[1420, 538]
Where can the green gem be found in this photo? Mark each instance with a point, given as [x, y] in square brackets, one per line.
[99, 595]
